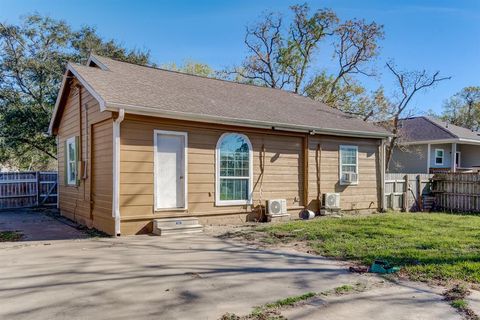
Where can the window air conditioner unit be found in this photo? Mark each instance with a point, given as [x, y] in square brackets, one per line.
[277, 206]
[331, 201]
[350, 177]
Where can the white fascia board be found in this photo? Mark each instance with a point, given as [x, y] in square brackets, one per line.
[94, 59]
[148, 111]
[441, 141]
[71, 69]
[87, 86]
[57, 102]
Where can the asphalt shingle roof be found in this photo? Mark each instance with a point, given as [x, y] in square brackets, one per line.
[159, 90]
[427, 128]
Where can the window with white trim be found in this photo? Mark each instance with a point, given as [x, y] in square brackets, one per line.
[439, 155]
[233, 170]
[348, 165]
[71, 161]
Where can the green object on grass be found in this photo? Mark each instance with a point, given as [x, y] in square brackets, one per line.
[382, 266]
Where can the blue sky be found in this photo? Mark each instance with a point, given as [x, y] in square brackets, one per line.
[435, 35]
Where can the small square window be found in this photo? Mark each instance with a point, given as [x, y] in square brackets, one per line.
[439, 155]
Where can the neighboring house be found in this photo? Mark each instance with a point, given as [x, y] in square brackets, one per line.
[138, 143]
[429, 145]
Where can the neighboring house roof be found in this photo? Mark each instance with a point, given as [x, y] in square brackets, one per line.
[417, 130]
[157, 92]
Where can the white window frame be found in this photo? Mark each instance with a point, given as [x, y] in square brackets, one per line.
[340, 170]
[156, 132]
[219, 202]
[71, 141]
[443, 157]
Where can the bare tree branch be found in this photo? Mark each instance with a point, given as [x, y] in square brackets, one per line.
[409, 84]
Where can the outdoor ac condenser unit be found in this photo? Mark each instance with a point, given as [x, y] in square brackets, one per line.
[331, 201]
[277, 206]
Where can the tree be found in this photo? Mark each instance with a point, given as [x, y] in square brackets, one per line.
[280, 58]
[304, 35]
[33, 56]
[463, 109]
[192, 67]
[408, 83]
[356, 46]
[349, 96]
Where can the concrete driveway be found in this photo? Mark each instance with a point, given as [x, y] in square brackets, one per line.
[194, 277]
[36, 225]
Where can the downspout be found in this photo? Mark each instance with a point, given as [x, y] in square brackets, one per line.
[116, 170]
[318, 159]
[382, 175]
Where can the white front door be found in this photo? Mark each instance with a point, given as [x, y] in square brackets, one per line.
[170, 179]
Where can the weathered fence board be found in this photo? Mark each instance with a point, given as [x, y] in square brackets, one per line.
[406, 191]
[457, 192]
[27, 189]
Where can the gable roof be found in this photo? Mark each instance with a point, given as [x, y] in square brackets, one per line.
[157, 92]
[424, 129]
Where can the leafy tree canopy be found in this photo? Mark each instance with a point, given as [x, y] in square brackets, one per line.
[192, 67]
[33, 56]
[463, 109]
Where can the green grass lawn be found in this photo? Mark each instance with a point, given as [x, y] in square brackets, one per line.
[429, 246]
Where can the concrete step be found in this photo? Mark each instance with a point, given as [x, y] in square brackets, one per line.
[176, 226]
[174, 222]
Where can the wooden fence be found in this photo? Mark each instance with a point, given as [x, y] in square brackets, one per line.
[406, 192]
[457, 192]
[27, 189]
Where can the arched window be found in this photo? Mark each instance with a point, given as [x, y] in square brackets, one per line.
[233, 170]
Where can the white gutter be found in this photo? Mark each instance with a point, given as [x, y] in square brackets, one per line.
[116, 170]
[241, 122]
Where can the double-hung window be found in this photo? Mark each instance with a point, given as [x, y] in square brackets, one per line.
[439, 154]
[71, 161]
[233, 170]
[348, 165]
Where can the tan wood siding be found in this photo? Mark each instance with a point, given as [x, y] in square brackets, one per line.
[74, 201]
[283, 176]
[363, 196]
[102, 177]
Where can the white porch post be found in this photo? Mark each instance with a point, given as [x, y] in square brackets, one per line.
[428, 157]
[454, 153]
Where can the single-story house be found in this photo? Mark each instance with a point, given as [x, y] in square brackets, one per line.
[429, 145]
[138, 143]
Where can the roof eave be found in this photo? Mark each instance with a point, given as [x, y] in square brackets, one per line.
[70, 68]
[441, 141]
[141, 110]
